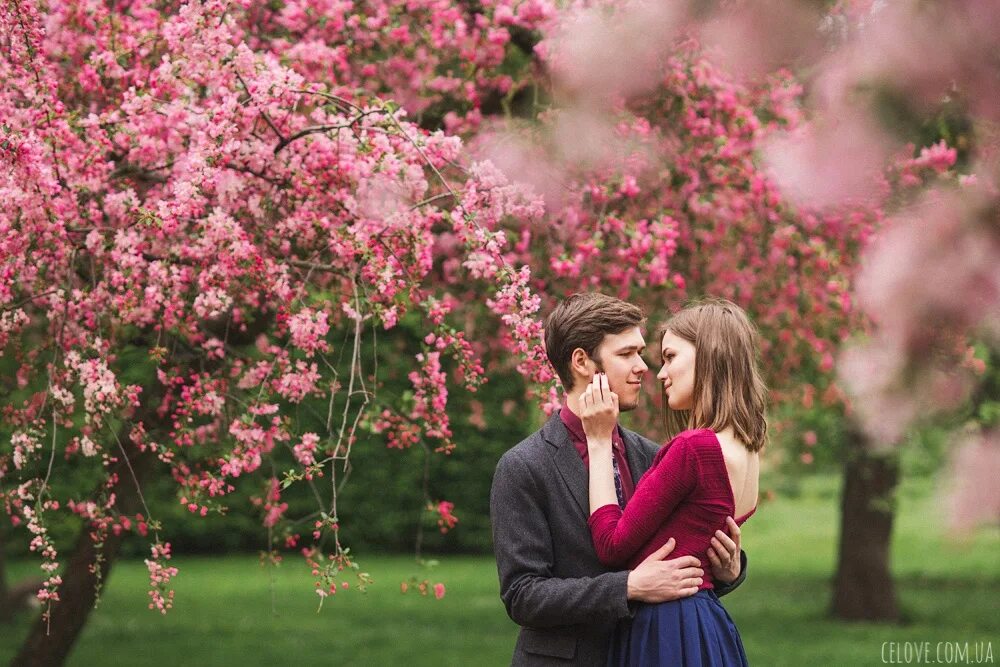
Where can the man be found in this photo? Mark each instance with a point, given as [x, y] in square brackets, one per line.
[551, 581]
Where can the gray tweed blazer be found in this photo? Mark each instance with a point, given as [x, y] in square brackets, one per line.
[551, 581]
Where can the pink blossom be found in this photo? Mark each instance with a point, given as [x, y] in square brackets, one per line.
[308, 330]
[160, 575]
[446, 520]
[305, 451]
[298, 382]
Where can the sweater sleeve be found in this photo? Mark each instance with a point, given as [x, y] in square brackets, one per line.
[617, 536]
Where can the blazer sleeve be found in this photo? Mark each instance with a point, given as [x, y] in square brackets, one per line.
[618, 535]
[522, 543]
[724, 589]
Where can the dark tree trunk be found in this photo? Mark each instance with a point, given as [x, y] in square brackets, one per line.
[863, 588]
[49, 643]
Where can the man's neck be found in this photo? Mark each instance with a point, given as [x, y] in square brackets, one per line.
[573, 401]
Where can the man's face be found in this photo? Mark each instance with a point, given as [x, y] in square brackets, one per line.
[620, 357]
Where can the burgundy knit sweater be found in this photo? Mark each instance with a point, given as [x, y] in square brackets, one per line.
[686, 495]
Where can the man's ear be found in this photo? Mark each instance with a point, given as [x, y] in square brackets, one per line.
[582, 366]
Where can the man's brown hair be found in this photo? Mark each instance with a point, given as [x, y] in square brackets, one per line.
[729, 389]
[582, 321]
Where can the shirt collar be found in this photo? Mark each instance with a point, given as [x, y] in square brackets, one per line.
[575, 427]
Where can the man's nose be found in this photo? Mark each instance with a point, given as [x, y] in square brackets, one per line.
[640, 367]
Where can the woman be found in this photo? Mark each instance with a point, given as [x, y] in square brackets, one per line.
[712, 386]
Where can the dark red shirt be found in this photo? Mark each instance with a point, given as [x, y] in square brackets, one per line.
[685, 495]
[579, 438]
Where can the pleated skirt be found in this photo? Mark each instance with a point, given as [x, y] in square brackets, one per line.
[693, 632]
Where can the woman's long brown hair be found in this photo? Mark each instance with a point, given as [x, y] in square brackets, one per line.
[728, 387]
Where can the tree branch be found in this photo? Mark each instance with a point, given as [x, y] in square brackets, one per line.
[319, 129]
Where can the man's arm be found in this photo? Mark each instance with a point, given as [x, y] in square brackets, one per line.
[722, 588]
[727, 570]
[660, 580]
[522, 543]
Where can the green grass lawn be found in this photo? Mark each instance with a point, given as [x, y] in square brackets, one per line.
[230, 611]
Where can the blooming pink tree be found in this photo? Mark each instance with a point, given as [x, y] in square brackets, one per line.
[187, 223]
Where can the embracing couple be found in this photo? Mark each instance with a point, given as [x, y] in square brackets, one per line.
[600, 534]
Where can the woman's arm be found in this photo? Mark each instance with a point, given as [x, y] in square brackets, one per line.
[599, 414]
[618, 535]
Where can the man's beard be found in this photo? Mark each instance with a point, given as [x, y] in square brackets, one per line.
[628, 407]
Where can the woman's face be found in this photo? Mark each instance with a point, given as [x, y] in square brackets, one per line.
[677, 373]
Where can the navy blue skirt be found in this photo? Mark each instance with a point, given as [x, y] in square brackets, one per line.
[694, 632]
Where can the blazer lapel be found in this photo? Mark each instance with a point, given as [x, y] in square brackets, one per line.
[638, 464]
[568, 462]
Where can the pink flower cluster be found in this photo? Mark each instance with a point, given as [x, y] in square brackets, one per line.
[399, 432]
[446, 520]
[253, 440]
[198, 403]
[160, 575]
[431, 397]
[308, 330]
[102, 395]
[271, 503]
[428, 56]
[423, 587]
[22, 505]
[305, 450]
[517, 306]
